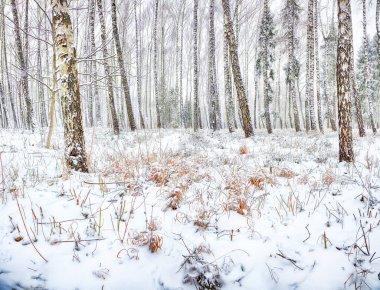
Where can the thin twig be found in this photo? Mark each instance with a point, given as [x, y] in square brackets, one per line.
[294, 262]
[23, 221]
[308, 233]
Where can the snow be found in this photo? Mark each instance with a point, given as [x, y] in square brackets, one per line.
[284, 215]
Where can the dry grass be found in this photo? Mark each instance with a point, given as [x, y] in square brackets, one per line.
[257, 182]
[286, 173]
[328, 178]
[203, 219]
[243, 150]
[153, 241]
[159, 176]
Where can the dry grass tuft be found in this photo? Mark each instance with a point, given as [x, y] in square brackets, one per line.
[153, 241]
[241, 207]
[328, 178]
[243, 150]
[174, 199]
[203, 219]
[159, 176]
[303, 180]
[257, 182]
[286, 173]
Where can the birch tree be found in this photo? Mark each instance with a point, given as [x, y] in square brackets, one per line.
[317, 68]
[230, 110]
[309, 104]
[123, 74]
[343, 66]
[41, 93]
[214, 109]
[234, 58]
[68, 87]
[23, 67]
[138, 65]
[155, 65]
[107, 70]
[291, 19]
[366, 69]
[93, 68]
[329, 72]
[196, 109]
[265, 60]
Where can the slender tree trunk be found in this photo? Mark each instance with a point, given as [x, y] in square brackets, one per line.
[230, 110]
[317, 67]
[41, 94]
[26, 36]
[111, 98]
[255, 101]
[156, 90]
[266, 72]
[23, 66]
[243, 102]
[164, 116]
[4, 58]
[358, 104]
[329, 80]
[366, 70]
[124, 80]
[93, 69]
[181, 109]
[75, 152]
[52, 95]
[291, 27]
[326, 86]
[378, 54]
[197, 112]
[310, 109]
[214, 112]
[343, 80]
[303, 115]
[138, 67]
[3, 103]
[3, 106]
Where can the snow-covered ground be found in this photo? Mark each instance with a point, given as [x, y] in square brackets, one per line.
[173, 209]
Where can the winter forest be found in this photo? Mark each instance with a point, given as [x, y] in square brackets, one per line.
[189, 144]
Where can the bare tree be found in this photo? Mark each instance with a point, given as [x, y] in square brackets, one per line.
[230, 110]
[196, 109]
[41, 94]
[343, 67]
[310, 109]
[23, 66]
[138, 66]
[124, 80]
[111, 98]
[214, 108]
[156, 90]
[291, 19]
[317, 67]
[68, 86]
[366, 69]
[243, 103]
[180, 89]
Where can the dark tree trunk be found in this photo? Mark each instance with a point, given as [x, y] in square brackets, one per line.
[124, 80]
[243, 102]
[344, 58]
[111, 98]
[68, 87]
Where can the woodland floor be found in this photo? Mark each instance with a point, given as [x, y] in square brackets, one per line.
[173, 209]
